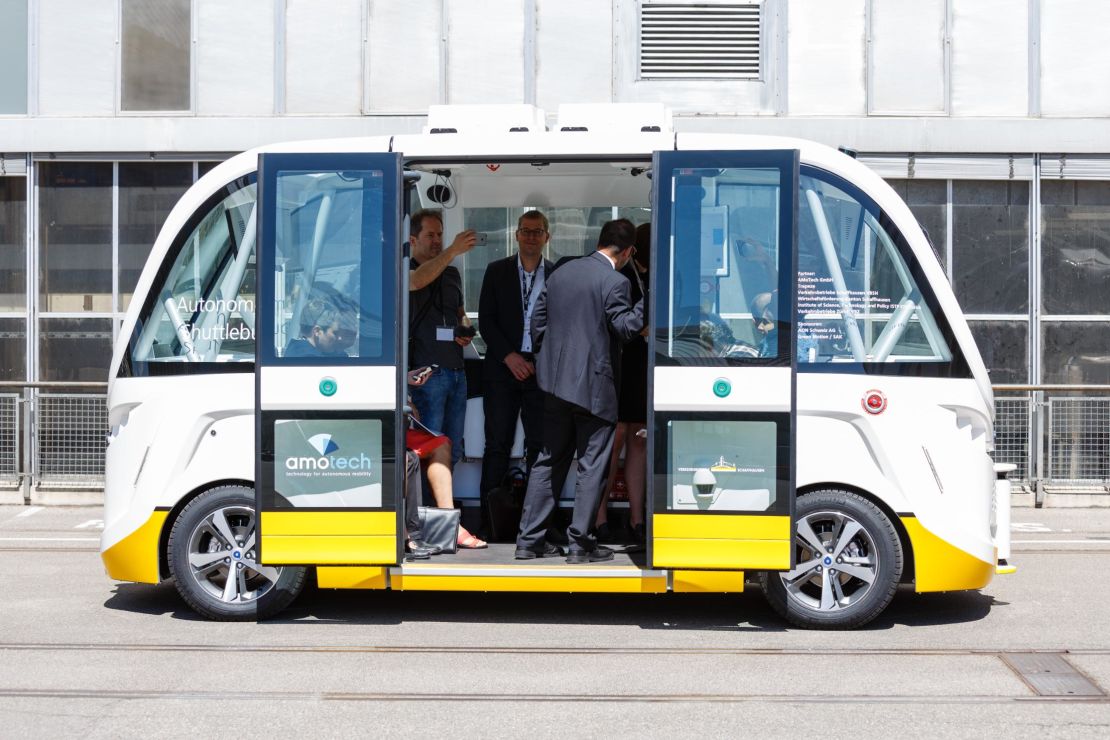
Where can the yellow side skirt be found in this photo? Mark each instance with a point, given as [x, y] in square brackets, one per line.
[520, 578]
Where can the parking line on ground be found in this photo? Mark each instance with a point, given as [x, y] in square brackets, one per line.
[28, 512]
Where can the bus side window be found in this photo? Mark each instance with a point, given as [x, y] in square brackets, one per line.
[202, 309]
[857, 298]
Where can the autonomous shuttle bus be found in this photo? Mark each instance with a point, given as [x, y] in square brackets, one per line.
[819, 418]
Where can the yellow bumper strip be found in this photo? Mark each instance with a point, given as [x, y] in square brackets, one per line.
[941, 566]
[135, 557]
[708, 581]
[351, 577]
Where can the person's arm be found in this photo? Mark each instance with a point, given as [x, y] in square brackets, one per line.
[626, 320]
[489, 318]
[424, 275]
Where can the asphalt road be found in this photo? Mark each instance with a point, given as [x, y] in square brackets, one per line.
[83, 655]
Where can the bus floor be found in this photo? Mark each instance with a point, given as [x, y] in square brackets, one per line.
[503, 554]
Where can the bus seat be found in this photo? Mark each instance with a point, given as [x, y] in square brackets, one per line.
[474, 432]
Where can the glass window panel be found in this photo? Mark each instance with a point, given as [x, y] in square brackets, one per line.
[156, 55]
[722, 259]
[332, 271]
[13, 243]
[13, 350]
[75, 236]
[990, 245]
[206, 307]
[721, 465]
[203, 168]
[13, 56]
[1076, 352]
[147, 192]
[75, 349]
[1004, 347]
[928, 200]
[857, 299]
[1075, 246]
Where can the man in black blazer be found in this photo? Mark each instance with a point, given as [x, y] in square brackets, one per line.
[578, 325]
[510, 289]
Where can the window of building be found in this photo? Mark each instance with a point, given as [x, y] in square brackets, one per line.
[156, 52]
[1075, 246]
[147, 193]
[75, 236]
[13, 244]
[74, 349]
[928, 200]
[699, 40]
[990, 246]
[13, 56]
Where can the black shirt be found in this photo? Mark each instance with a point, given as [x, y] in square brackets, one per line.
[434, 306]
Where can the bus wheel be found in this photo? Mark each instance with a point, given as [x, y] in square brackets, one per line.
[848, 562]
[212, 555]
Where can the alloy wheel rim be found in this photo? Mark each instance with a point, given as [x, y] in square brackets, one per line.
[837, 562]
[223, 551]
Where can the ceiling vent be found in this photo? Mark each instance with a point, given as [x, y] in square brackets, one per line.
[699, 40]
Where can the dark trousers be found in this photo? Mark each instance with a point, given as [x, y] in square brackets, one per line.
[567, 429]
[503, 398]
[412, 496]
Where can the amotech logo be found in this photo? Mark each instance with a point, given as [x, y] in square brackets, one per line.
[328, 460]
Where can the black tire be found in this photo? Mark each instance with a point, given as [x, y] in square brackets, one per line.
[832, 591]
[200, 560]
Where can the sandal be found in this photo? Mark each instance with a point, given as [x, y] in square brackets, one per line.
[467, 541]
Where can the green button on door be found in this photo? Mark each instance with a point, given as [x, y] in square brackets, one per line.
[328, 386]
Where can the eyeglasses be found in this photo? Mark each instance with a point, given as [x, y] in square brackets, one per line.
[532, 233]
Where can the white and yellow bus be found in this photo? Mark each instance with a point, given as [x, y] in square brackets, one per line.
[849, 454]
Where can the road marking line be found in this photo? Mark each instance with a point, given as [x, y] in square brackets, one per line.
[29, 512]
[1028, 527]
[91, 524]
[1061, 542]
[49, 539]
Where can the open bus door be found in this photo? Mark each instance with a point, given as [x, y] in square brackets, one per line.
[722, 383]
[327, 388]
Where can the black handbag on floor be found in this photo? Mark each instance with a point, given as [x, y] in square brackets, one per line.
[440, 527]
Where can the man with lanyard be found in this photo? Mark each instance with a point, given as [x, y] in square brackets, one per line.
[438, 326]
[510, 289]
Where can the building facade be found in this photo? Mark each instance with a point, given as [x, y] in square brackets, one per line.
[990, 117]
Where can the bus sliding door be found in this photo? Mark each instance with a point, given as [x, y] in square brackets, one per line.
[721, 360]
[328, 350]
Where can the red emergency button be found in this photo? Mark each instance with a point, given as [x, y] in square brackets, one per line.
[874, 402]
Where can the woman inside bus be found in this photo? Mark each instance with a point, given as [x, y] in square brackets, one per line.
[631, 407]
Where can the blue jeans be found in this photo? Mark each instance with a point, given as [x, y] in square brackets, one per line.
[441, 403]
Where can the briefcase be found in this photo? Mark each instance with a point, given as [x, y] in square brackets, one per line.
[440, 527]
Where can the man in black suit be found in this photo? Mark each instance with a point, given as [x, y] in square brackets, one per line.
[578, 356]
[510, 289]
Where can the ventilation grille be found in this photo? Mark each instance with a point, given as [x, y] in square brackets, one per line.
[699, 40]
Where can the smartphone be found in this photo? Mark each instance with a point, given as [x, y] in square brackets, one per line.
[482, 238]
[422, 374]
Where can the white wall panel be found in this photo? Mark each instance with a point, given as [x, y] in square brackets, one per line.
[77, 57]
[235, 57]
[323, 57]
[907, 56]
[1075, 58]
[485, 51]
[990, 58]
[827, 58]
[404, 55]
[574, 59]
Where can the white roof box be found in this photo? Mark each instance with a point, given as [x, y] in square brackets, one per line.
[484, 119]
[614, 117]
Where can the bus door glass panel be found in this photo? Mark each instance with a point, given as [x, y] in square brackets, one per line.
[327, 359]
[722, 360]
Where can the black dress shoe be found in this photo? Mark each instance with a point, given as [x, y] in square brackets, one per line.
[527, 553]
[421, 551]
[557, 537]
[597, 555]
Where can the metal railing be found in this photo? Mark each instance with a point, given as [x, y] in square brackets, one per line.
[53, 436]
[1057, 435]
